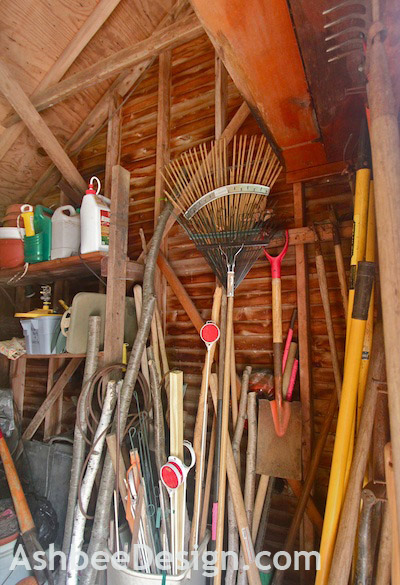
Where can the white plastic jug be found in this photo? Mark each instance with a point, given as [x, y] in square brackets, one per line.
[66, 228]
[95, 220]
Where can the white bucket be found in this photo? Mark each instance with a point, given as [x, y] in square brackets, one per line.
[41, 334]
[120, 574]
[6, 557]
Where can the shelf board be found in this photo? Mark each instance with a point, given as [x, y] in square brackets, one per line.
[62, 268]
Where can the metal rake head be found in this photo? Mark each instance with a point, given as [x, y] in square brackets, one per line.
[347, 28]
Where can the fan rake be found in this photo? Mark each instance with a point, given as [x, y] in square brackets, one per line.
[220, 195]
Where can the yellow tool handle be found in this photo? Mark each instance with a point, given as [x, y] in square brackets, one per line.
[337, 480]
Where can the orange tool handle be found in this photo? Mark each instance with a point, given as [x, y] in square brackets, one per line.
[22, 510]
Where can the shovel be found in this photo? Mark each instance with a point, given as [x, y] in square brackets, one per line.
[279, 424]
[280, 409]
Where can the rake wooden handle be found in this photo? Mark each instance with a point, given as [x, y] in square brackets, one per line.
[241, 519]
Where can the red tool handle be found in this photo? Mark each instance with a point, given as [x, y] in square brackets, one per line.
[276, 261]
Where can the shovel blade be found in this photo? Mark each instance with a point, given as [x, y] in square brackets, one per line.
[279, 456]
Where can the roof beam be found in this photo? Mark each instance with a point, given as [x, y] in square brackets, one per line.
[167, 38]
[21, 104]
[96, 118]
[87, 31]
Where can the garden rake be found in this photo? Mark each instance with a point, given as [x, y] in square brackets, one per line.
[220, 194]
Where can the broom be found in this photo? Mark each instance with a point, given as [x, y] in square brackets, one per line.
[220, 194]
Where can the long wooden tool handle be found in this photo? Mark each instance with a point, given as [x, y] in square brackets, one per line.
[323, 287]
[391, 494]
[277, 336]
[241, 518]
[22, 510]
[198, 429]
[224, 441]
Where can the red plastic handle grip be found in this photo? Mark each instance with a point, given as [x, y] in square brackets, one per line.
[276, 261]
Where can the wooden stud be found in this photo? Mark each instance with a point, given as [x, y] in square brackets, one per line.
[116, 288]
[167, 38]
[52, 420]
[304, 347]
[17, 374]
[92, 24]
[21, 103]
[162, 159]
[221, 96]
[113, 146]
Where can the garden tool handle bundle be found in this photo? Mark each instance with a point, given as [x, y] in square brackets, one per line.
[280, 410]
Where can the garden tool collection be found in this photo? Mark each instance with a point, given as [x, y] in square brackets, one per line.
[220, 195]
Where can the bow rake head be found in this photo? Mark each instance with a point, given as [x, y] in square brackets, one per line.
[347, 28]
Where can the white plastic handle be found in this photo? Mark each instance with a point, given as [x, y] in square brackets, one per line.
[98, 184]
[60, 211]
[26, 208]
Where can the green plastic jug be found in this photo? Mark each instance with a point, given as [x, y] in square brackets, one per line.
[42, 223]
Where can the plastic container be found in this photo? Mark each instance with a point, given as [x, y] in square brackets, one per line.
[42, 223]
[6, 558]
[41, 334]
[33, 248]
[66, 232]
[118, 574]
[95, 220]
[11, 247]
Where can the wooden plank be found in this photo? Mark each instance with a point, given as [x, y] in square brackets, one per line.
[89, 28]
[113, 146]
[304, 337]
[167, 38]
[61, 268]
[221, 96]
[134, 270]
[258, 46]
[116, 287]
[51, 398]
[21, 103]
[17, 375]
[326, 170]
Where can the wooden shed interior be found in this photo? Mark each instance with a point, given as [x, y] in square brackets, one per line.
[120, 90]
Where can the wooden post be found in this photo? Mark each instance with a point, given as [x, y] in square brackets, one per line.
[304, 348]
[162, 159]
[21, 103]
[113, 147]
[116, 288]
[385, 146]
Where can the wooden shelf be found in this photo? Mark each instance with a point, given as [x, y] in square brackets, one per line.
[45, 356]
[64, 268]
